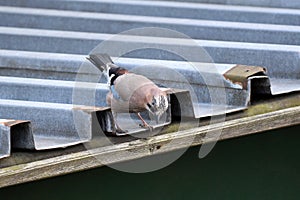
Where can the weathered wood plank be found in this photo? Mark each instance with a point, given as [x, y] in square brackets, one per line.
[85, 159]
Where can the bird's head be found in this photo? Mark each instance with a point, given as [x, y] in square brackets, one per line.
[158, 105]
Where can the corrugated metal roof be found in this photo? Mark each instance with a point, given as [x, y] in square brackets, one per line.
[44, 44]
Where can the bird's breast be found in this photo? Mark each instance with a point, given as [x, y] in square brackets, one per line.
[134, 92]
[133, 86]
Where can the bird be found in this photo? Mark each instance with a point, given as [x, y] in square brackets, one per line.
[130, 92]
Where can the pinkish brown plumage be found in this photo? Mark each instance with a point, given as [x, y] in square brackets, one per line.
[129, 92]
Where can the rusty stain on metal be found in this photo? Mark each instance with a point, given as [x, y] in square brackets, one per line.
[239, 74]
[12, 122]
[91, 109]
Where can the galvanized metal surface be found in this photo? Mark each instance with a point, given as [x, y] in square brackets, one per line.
[284, 78]
[195, 76]
[170, 9]
[70, 94]
[53, 91]
[115, 23]
[263, 3]
[4, 141]
[273, 57]
[281, 86]
[65, 66]
[14, 134]
[92, 94]
[76, 32]
[68, 125]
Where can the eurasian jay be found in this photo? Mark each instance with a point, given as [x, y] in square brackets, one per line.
[130, 92]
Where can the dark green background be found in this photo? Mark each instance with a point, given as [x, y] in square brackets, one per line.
[262, 166]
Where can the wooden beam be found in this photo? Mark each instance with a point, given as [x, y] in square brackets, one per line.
[87, 159]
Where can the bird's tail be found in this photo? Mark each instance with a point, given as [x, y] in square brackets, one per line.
[101, 61]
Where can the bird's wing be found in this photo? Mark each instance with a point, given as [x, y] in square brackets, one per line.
[127, 84]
